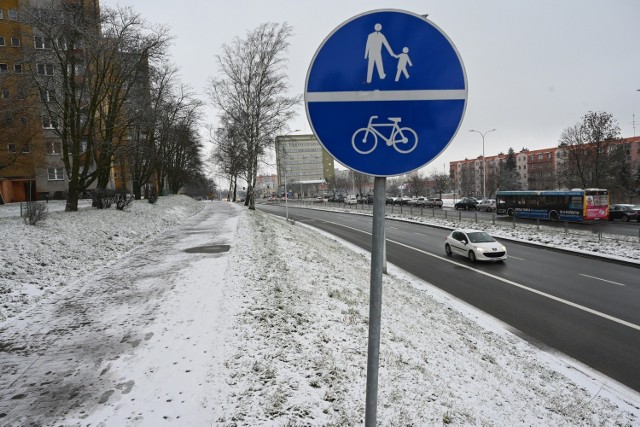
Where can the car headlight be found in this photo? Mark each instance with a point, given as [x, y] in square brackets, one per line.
[480, 249]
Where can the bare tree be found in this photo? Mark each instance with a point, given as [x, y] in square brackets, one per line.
[586, 148]
[417, 184]
[178, 118]
[441, 182]
[84, 64]
[228, 153]
[146, 103]
[361, 181]
[249, 91]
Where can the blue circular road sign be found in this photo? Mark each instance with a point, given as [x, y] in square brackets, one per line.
[386, 92]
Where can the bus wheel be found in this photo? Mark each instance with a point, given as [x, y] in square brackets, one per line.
[510, 212]
[553, 216]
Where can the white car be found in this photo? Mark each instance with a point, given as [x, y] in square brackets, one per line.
[476, 245]
[350, 200]
[486, 205]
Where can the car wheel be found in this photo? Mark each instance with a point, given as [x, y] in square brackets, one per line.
[625, 218]
[477, 208]
[472, 256]
[447, 249]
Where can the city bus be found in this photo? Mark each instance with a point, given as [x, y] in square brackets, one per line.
[556, 205]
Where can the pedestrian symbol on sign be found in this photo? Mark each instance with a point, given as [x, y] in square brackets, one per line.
[373, 53]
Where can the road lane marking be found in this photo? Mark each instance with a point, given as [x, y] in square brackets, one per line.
[604, 280]
[515, 257]
[509, 282]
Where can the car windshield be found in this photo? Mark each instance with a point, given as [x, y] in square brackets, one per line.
[480, 237]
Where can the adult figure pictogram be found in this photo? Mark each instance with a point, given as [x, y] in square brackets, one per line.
[373, 52]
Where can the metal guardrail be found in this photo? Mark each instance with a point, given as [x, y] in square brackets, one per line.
[593, 230]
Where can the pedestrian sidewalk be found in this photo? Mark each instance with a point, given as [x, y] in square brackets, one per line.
[77, 356]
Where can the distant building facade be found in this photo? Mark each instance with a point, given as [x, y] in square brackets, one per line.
[303, 164]
[537, 169]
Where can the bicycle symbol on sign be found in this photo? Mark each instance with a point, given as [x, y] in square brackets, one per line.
[365, 140]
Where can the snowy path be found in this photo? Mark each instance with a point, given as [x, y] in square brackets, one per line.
[77, 356]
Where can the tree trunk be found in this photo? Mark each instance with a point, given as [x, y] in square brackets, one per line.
[72, 197]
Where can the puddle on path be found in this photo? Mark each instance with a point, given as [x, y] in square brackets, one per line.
[212, 249]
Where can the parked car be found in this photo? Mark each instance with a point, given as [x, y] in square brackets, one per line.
[434, 203]
[390, 200]
[414, 201]
[466, 203]
[486, 205]
[421, 201]
[624, 212]
[339, 198]
[476, 245]
[351, 200]
[404, 200]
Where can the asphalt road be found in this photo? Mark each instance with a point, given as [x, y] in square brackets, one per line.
[584, 307]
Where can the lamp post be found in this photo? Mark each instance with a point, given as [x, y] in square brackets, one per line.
[484, 173]
[284, 158]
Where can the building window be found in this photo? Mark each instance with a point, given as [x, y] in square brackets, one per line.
[2, 42]
[15, 42]
[45, 96]
[41, 43]
[5, 93]
[45, 69]
[49, 122]
[77, 69]
[24, 121]
[13, 14]
[54, 147]
[4, 68]
[17, 68]
[26, 149]
[11, 148]
[1, 14]
[55, 174]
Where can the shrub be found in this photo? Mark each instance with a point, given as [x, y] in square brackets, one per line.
[35, 212]
[123, 200]
[153, 196]
[103, 199]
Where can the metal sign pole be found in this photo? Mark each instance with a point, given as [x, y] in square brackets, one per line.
[375, 300]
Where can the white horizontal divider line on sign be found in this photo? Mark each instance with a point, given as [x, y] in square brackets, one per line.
[386, 95]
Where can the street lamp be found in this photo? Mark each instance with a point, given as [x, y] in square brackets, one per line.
[484, 173]
[284, 157]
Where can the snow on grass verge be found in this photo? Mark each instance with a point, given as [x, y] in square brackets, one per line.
[301, 352]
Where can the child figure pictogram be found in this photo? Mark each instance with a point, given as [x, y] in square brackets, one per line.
[403, 61]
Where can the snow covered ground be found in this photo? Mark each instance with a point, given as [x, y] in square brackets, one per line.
[200, 313]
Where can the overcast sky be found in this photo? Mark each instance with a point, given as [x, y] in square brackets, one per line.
[534, 67]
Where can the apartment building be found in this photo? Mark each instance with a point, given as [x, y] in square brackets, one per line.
[31, 152]
[20, 131]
